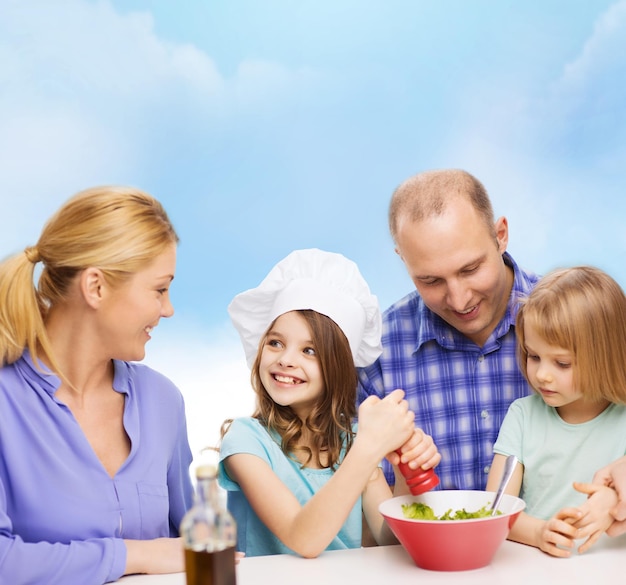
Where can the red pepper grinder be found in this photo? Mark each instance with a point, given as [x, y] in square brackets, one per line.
[418, 480]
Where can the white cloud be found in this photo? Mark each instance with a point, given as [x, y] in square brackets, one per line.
[585, 103]
[212, 376]
[44, 158]
[79, 84]
[81, 87]
[91, 96]
[271, 85]
[553, 157]
[94, 49]
[603, 51]
[72, 49]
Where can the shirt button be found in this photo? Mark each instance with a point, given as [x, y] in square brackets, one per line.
[481, 358]
[487, 469]
[484, 414]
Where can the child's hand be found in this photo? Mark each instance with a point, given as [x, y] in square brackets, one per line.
[596, 516]
[386, 423]
[419, 451]
[557, 535]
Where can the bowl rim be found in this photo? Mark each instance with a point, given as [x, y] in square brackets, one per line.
[516, 503]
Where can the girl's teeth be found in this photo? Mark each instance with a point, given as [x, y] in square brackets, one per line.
[285, 379]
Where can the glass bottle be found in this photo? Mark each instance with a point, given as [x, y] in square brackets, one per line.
[209, 534]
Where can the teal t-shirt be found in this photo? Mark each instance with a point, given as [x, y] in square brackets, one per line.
[247, 435]
[555, 453]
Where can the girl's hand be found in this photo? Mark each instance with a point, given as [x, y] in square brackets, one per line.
[556, 536]
[596, 516]
[419, 451]
[386, 424]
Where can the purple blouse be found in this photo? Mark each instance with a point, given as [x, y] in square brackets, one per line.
[62, 517]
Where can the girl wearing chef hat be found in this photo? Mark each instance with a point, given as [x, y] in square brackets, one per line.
[299, 475]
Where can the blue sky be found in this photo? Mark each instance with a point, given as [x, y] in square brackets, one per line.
[269, 126]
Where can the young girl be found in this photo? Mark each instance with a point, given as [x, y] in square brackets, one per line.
[298, 474]
[572, 350]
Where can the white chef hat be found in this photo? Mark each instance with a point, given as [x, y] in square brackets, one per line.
[325, 282]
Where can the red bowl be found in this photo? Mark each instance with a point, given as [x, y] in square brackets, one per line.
[452, 545]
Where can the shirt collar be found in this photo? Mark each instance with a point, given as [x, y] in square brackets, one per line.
[50, 382]
[39, 373]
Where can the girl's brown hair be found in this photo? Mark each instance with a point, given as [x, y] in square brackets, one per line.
[120, 230]
[330, 422]
[582, 310]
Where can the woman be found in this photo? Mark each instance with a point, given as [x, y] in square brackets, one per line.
[94, 477]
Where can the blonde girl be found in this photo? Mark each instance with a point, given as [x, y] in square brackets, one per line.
[572, 350]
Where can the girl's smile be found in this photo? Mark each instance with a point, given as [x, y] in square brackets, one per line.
[289, 368]
[287, 379]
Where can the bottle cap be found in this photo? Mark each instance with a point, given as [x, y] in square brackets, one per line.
[205, 471]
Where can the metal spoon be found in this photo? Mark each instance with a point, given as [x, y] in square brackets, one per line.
[509, 468]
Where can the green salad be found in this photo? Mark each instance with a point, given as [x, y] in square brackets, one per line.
[420, 511]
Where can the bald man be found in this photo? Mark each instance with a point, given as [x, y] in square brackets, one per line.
[450, 344]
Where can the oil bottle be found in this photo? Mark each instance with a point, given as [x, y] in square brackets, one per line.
[209, 534]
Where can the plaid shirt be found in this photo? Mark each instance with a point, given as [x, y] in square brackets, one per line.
[459, 391]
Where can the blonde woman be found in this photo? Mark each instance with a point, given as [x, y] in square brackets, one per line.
[572, 350]
[94, 478]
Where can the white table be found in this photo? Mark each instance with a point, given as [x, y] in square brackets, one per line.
[513, 564]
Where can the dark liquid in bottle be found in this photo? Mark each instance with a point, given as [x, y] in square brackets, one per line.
[210, 568]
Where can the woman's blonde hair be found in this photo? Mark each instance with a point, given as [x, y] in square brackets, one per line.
[330, 422]
[582, 310]
[119, 230]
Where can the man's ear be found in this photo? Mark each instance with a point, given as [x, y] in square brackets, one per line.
[502, 233]
[92, 286]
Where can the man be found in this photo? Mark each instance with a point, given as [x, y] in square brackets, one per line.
[450, 345]
[613, 475]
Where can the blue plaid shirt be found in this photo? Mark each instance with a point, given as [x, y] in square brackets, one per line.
[459, 391]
